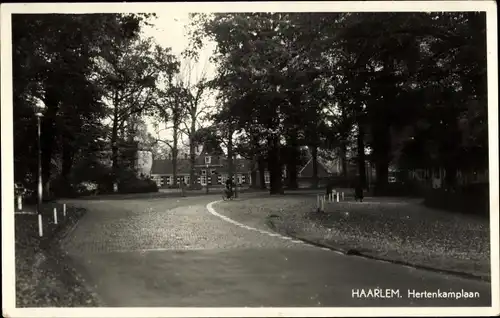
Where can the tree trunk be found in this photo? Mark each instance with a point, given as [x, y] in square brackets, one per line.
[346, 124]
[175, 154]
[67, 164]
[253, 173]
[343, 158]
[314, 154]
[275, 173]
[114, 140]
[230, 160]
[48, 136]
[261, 163]
[291, 163]
[361, 157]
[192, 154]
[381, 150]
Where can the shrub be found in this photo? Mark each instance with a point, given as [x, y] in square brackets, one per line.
[172, 186]
[130, 183]
[399, 189]
[470, 199]
[195, 186]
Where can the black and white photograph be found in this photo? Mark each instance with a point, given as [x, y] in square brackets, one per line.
[245, 159]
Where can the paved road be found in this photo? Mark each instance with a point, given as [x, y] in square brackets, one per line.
[173, 252]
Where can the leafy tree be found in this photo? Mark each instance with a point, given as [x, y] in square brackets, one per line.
[193, 91]
[46, 53]
[395, 80]
[129, 73]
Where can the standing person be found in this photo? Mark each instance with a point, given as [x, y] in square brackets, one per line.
[329, 187]
[183, 188]
[229, 188]
[358, 191]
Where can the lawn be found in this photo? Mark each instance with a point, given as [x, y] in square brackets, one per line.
[392, 229]
[44, 275]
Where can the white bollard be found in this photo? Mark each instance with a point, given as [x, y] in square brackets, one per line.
[64, 209]
[318, 201]
[55, 216]
[342, 196]
[40, 225]
[19, 203]
[338, 196]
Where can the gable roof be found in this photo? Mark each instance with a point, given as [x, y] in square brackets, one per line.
[164, 166]
[307, 170]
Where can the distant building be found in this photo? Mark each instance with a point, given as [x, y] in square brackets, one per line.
[307, 170]
[210, 168]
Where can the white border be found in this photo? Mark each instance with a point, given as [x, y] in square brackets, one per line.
[8, 281]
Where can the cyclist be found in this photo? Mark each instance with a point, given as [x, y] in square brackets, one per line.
[229, 188]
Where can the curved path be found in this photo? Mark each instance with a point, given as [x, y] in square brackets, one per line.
[173, 252]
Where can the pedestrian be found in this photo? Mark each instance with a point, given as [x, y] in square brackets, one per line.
[183, 188]
[229, 188]
[358, 192]
[329, 188]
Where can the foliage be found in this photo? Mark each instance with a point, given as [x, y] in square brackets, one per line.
[406, 92]
[49, 50]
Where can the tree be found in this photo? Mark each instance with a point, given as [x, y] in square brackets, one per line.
[194, 90]
[46, 53]
[281, 71]
[128, 74]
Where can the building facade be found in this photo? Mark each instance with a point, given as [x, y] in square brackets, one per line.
[209, 169]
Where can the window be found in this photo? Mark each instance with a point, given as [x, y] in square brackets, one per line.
[203, 172]
[208, 160]
[203, 180]
[212, 172]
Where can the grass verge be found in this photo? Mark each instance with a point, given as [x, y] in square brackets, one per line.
[398, 230]
[44, 274]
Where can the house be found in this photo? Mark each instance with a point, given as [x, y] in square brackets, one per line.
[211, 167]
[435, 177]
[307, 170]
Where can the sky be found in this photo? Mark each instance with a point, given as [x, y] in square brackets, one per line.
[169, 30]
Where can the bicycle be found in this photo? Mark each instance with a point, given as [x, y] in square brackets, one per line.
[228, 195]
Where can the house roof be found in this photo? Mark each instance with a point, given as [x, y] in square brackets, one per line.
[307, 170]
[165, 166]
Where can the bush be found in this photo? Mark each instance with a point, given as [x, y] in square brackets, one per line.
[399, 189]
[195, 186]
[130, 183]
[171, 186]
[470, 199]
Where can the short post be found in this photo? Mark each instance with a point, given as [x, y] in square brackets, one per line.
[64, 209]
[323, 205]
[342, 196]
[55, 216]
[19, 203]
[40, 225]
[318, 201]
[338, 194]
